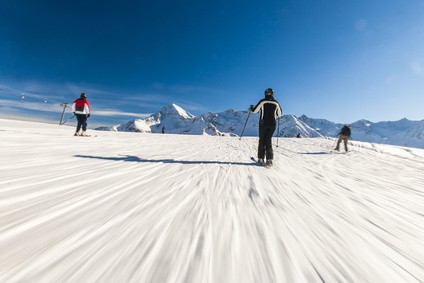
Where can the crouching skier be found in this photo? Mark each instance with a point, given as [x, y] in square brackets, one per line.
[81, 109]
[344, 135]
[269, 107]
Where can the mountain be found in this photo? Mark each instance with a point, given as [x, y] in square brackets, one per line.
[176, 120]
[170, 117]
[403, 132]
[290, 126]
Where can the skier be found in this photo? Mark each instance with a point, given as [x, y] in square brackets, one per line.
[269, 107]
[298, 136]
[344, 135]
[81, 109]
[163, 130]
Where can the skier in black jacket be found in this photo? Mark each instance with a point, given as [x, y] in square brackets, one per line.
[269, 107]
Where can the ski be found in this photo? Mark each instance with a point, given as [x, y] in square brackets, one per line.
[87, 136]
[259, 164]
[333, 151]
[255, 161]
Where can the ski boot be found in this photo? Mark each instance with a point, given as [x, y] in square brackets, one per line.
[269, 163]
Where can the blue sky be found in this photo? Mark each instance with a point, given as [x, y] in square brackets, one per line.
[338, 60]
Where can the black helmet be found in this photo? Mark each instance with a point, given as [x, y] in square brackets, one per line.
[269, 91]
[83, 95]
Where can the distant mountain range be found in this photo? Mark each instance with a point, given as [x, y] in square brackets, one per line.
[174, 119]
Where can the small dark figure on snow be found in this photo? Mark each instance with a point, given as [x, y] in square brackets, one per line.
[163, 130]
[298, 136]
[344, 135]
[81, 109]
[268, 107]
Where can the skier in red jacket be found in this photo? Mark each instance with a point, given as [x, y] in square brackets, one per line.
[81, 109]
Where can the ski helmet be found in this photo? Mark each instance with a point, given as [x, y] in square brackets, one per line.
[269, 91]
[83, 95]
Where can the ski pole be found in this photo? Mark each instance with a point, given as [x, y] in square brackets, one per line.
[245, 124]
[278, 129]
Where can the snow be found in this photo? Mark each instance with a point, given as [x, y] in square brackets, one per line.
[403, 132]
[137, 125]
[228, 123]
[231, 123]
[130, 207]
[182, 112]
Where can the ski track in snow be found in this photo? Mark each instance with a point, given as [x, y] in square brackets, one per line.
[125, 207]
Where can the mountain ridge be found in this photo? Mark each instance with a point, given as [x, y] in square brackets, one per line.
[174, 119]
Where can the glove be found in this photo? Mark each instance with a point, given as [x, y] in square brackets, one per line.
[88, 115]
[252, 108]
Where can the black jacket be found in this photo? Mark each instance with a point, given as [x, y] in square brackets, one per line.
[345, 131]
[269, 107]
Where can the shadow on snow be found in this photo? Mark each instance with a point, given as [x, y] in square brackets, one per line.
[319, 152]
[130, 158]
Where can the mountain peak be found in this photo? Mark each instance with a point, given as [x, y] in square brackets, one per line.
[175, 110]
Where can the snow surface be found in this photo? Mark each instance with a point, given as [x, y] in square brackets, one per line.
[127, 207]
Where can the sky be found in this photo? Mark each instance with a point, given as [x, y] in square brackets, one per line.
[337, 60]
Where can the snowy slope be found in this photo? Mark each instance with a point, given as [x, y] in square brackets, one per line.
[125, 207]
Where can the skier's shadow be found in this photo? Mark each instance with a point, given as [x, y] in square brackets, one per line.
[316, 153]
[130, 158]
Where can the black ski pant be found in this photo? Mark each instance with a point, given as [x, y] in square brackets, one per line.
[82, 122]
[265, 141]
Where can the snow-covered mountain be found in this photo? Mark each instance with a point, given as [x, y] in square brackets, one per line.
[176, 120]
[403, 132]
[173, 119]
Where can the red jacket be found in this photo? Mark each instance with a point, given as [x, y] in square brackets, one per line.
[81, 106]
